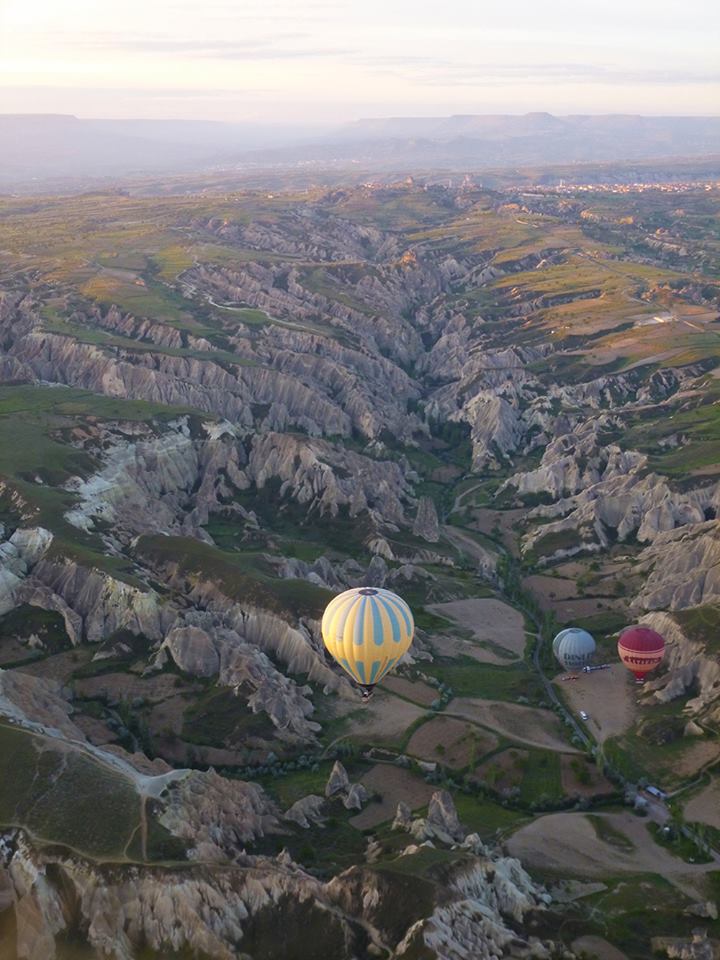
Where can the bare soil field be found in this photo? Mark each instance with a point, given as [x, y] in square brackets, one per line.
[705, 806]
[491, 622]
[60, 666]
[550, 589]
[12, 651]
[445, 645]
[95, 730]
[531, 725]
[567, 610]
[607, 696]
[116, 686]
[597, 947]
[695, 758]
[453, 743]
[569, 844]
[384, 719]
[571, 569]
[504, 770]
[393, 784]
[485, 519]
[414, 690]
[572, 786]
[168, 715]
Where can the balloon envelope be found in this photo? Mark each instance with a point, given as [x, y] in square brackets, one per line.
[558, 638]
[574, 648]
[641, 650]
[367, 630]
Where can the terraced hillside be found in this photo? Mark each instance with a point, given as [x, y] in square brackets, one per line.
[219, 409]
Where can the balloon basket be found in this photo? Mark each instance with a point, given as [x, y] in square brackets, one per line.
[366, 694]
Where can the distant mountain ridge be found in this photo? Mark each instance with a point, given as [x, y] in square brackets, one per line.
[43, 146]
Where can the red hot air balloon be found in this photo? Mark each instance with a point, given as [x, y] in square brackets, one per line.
[641, 650]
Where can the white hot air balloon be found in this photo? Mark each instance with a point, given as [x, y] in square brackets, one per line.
[573, 648]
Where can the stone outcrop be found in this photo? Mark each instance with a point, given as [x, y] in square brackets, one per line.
[696, 947]
[644, 506]
[224, 641]
[323, 479]
[403, 817]
[356, 797]
[217, 818]
[690, 670]
[203, 911]
[353, 796]
[486, 899]
[18, 555]
[441, 823]
[442, 816]
[576, 460]
[306, 812]
[102, 603]
[165, 484]
[338, 781]
[426, 521]
[193, 650]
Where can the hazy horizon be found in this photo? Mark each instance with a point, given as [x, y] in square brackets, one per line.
[328, 63]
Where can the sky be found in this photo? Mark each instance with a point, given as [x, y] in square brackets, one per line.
[325, 62]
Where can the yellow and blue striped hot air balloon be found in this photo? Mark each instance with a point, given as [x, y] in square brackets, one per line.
[367, 630]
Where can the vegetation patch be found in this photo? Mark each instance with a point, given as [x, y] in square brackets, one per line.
[243, 578]
[65, 796]
[221, 717]
[605, 831]
[469, 678]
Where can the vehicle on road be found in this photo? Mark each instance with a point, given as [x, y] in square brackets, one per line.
[583, 715]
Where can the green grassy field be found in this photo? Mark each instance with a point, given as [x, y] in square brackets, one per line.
[701, 625]
[486, 817]
[628, 913]
[540, 777]
[65, 797]
[246, 578]
[469, 678]
[221, 718]
[609, 834]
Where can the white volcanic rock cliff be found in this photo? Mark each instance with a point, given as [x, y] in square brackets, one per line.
[643, 505]
[217, 817]
[426, 521]
[36, 701]
[321, 477]
[165, 484]
[690, 668]
[682, 568]
[575, 460]
[18, 555]
[102, 603]
[212, 909]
